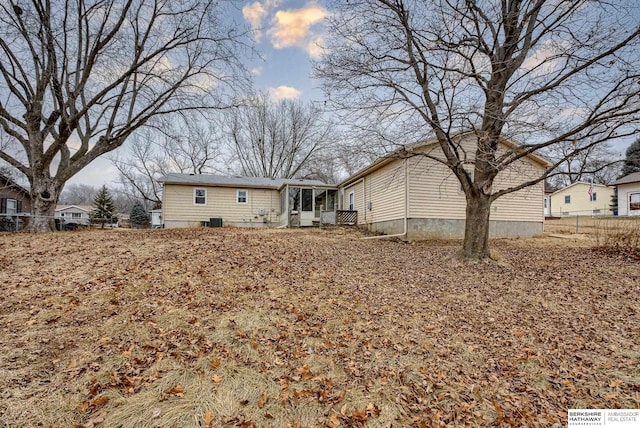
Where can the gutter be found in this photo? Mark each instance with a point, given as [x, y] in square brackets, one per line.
[406, 209]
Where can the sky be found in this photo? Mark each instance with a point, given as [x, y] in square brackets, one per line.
[288, 36]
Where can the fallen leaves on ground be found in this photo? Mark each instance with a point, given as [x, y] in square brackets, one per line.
[309, 328]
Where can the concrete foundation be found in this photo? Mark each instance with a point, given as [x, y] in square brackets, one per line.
[438, 228]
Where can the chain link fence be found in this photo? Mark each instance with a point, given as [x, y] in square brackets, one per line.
[19, 222]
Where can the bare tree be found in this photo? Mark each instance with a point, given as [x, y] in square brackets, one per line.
[186, 145]
[78, 78]
[596, 164]
[276, 139]
[78, 194]
[536, 72]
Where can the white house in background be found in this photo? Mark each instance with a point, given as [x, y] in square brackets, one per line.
[78, 214]
[582, 199]
[628, 194]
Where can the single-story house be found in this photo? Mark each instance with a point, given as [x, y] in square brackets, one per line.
[78, 214]
[394, 195]
[582, 199]
[628, 194]
[191, 200]
[420, 198]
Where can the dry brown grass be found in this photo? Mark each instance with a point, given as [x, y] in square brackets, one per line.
[232, 327]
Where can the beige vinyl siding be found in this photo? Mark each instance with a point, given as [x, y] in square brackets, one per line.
[524, 205]
[385, 191]
[358, 189]
[435, 191]
[580, 202]
[179, 208]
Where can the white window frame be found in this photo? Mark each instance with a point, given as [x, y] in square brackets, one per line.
[246, 196]
[593, 197]
[352, 200]
[567, 199]
[196, 197]
[76, 215]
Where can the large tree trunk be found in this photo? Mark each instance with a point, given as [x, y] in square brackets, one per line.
[476, 230]
[44, 197]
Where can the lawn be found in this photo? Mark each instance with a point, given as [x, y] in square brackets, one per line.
[275, 328]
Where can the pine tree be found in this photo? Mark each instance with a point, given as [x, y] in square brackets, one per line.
[139, 217]
[632, 160]
[614, 201]
[103, 208]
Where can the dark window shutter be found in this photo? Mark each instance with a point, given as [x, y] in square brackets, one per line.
[3, 205]
[19, 207]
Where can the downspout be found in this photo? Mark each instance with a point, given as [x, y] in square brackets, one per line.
[406, 208]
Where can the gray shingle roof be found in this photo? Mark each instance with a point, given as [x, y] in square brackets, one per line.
[631, 178]
[226, 181]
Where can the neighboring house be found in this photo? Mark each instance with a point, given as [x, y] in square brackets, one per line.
[14, 199]
[582, 199]
[123, 220]
[628, 194]
[190, 200]
[420, 198]
[15, 204]
[78, 214]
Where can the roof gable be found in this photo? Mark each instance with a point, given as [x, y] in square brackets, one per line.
[579, 183]
[84, 208]
[403, 152]
[8, 182]
[627, 179]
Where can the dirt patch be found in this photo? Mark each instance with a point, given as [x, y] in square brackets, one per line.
[234, 327]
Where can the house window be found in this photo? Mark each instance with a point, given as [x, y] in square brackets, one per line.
[307, 199]
[76, 215]
[241, 196]
[634, 202]
[593, 197]
[200, 196]
[567, 199]
[352, 201]
[12, 206]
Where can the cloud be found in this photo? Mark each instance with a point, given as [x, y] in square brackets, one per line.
[254, 13]
[256, 71]
[294, 28]
[546, 58]
[284, 92]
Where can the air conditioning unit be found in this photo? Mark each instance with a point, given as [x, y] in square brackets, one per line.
[215, 222]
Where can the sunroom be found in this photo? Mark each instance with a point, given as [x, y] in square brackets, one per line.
[306, 205]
